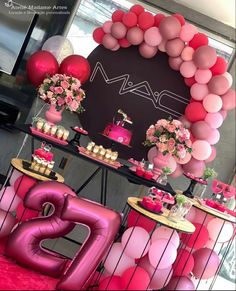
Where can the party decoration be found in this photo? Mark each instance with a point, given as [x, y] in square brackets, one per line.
[118, 30]
[145, 20]
[218, 85]
[201, 130]
[175, 63]
[110, 283]
[7, 221]
[170, 27]
[183, 264]
[214, 137]
[137, 9]
[23, 184]
[147, 51]
[206, 262]
[98, 34]
[15, 174]
[130, 19]
[164, 232]
[201, 150]
[174, 48]
[198, 239]
[135, 242]
[135, 36]
[229, 100]
[152, 36]
[198, 40]
[187, 69]
[180, 283]
[23, 213]
[187, 53]
[195, 112]
[219, 230]
[107, 26]
[8, 199]
[220, 67]
[76, 66]
[39, 65]
[194, 167]
[136, 219]
[135, 278]
[204, 57]
[199, 91]
[203, 76]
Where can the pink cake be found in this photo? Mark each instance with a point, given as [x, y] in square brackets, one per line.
[118, 133]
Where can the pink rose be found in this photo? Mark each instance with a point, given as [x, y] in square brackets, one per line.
[65, 84]
[171, 127]
[74, 105]
[58, 90]
[176, 123]
[74, 87]
[171, 142]
[151, 130]
[68, 100]
[49, 94]
[162, 147]
[163, 138]
[43, 96]
[152, 139]
[52, 88]
[60, 101]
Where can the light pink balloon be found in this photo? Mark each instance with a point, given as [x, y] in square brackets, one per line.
[185, 160]
[191, 215]
[162, 254]
[136, 242]
[14, 176]
[223, 112]
[135, 35]
[187, 32]
[109, 41]
[172, 164]
[219, 232]
[194, 167]
[115, 48]
[218, 85]
[7, 225]
[199, 91]
[178, 172]
[229, 100]
[210, 244]
[118, 30]
[174, 47]
[185, 121]
[204, 57]
[8, 199]
[215, 120]
[212, 103]
[152, 36]
[201, 129]
[229, 77]
[117, 261]
[187, 53]
[214, 137]
[212, 156]
[147, 51]
[203, 76]
[188, 69]
[107, 26]
[175, 63]
[170, 27]
[164, 232]
[162, 45]
[201, 150]
[152, 153]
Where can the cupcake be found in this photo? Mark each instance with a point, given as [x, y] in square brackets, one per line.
[95, 151]
[53, 130]
[46, 128]
[65, 134]
[60, 132]
[102, 152]
[39, 124]
[89, 147]
[168, 199]
[114, 156]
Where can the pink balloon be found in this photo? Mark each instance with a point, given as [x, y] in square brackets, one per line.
[147, 51]
[109, 41]
[172, 164]
[180, 283]
[204, 57]
[118, 30]
[159, 278]
[199, 91]
[162, 46]
[187, 53]
[164, 232]
[214, 137]
[135, 241]
[110, 283]
[201, 150]
[23, 184]
[23, 213]
[174, 47]
[229, 77]
[201, 129]
[185, 121]
[135, 278]
[212, 103]
[206, 262]
[152, 36]
[7, 221]
[8, 199]
[107, 26]
[191, 215]
[14, 176]
[229, 100]
[194, 167]
[136, 219]
[203, 76]
[152, 153]
[210, 244]
[170, 27]
[223, 112]
[187, 32]
[175, 63]
[185, 160]
[162, 254]
[219, 230]
[135, 35]
[201, 217]
[218, 85]
[116, 48]
[188, 69]
[183, 264]
[212, 156]
[215, 120]
[178, 172]
[117, 261]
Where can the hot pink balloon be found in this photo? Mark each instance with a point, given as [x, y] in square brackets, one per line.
[7, 221]
[180, 283]
[187, 53]
[204, 57]
[187, 32]
[162, 254]
[135, 278]
[212, 103]
[23, 213]
[170, 27]
[109, 41]
[110, 283]
[134, 218]
[164, 232]
[107, 26]
[194, 167]
[23, 184]
[229, 77]
[185, 121]
[183, 264]
[188, 69]
[202, 217]
[175, 63]
[199, 91]
[162, 46]
[203, 76]
[218, 85]
[136, 242]
[118, 30]
[201, 130]
[178, 172]
[201, 150]
[152, 36]
[8, 199]
[174, 47]
[214, 137]
[215, 120]
[229, 100]
[117, 261]
[147, 51]
[14, 176]
[206, 262]
[135, 35]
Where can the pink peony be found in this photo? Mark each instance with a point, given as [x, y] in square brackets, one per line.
[74, 105]
[59, 90]
[65, 84]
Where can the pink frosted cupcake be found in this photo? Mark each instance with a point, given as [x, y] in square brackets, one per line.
[168, 200]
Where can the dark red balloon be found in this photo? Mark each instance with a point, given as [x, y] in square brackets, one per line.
[117, 15]
[98, 34]
[220, 67]
[189, 81]
[180, 18]
[195, 112]
[137, 9]
[130, 19]
[198, 40]
[39, 65]
[158, 18]
[76, 66]
[124, 43]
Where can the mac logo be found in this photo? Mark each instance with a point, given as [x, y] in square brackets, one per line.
[143, 90]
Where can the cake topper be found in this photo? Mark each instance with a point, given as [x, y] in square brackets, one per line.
[125, 118]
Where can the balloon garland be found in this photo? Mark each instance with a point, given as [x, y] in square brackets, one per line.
[189, 53]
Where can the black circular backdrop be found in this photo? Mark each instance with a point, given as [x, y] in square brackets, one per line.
[145, 89]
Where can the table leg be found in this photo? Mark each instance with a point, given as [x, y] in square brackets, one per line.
[88, 180]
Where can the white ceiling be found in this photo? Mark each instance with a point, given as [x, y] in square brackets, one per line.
[222, 10]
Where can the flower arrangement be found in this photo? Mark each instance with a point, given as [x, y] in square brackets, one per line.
[209, 173]
[62, 91]
[170, 137]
